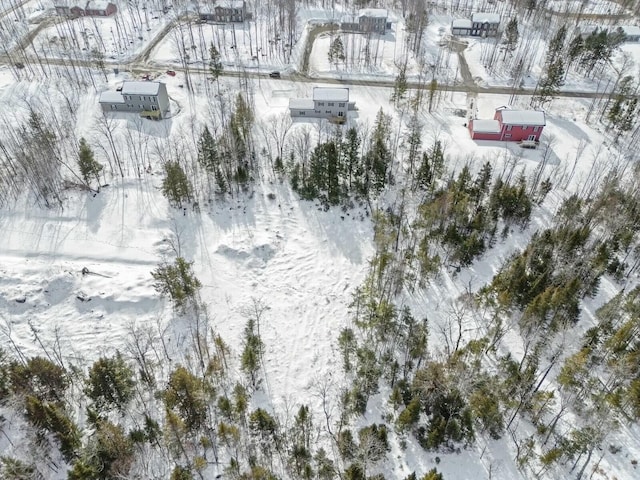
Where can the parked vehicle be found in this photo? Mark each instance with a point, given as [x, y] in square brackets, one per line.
[274, 74]
[171, 73]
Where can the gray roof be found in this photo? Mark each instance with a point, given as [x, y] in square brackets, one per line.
[97, 5]
[331, 94]
[111, 97]
[483, 17]
[373, 12]
[523, 117]
[486, 126]
[630, 30]
[301, 103]
[140, 88]
[461, 23]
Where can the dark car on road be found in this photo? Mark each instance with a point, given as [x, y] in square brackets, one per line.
[274, 74]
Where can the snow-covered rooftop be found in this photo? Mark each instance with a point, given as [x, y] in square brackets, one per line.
[140, 88]
[301, 103]
[348, 19]
[97, 5]
[373, 12]
[630, 30]
[111, 97]
[523, 117]
[331, 94]
[482, 17]
[486, 126]
[231, 4]
[461, 23]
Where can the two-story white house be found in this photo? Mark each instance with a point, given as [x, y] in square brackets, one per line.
[331, 103]
[368, 20]
[150, 99]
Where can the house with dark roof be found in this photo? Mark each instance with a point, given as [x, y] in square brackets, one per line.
[92, 8]
[368, 20]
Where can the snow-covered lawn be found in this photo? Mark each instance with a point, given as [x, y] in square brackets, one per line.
[118, 37]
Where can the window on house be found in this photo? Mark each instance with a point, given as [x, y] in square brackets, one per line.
[509, 127]
[341, 114]
[331, 104]
[341, 105]
[113, 107]
[535, 129]
[508, 135]
[154, 108]
[321, 104]
[328, 112]
[303, 113]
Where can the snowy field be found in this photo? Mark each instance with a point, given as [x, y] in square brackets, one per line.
[239, 44]
[118, 37]
[300, 262]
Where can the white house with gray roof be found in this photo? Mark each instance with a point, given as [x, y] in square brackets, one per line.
[327, 102]
[150, 99]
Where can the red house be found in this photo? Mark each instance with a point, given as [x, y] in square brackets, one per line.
[100, 8]
[509, 126]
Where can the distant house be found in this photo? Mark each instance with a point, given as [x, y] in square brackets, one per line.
[368, 20]
[96, 8]
[509, 126]
[631, 33]
[100, 8]
[150, 99]
[230, 11]
[481, 25]
[331, 103]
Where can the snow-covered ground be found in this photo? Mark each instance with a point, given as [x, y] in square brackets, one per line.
[118, 37]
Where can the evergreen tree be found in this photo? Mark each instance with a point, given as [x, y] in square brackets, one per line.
[351, 163]
[110, 383]
[208, 156]
[556, 45]
[175, 185]
[511, 34]
[378, 157]
[252, 353]
[178, 281]
[336, 51]
[400, 85]
[622, 114]
[89, 167]
[551, 82]
[185, 396]
[215, 64]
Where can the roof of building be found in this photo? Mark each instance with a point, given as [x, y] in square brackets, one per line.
[331, 94]
[140, 88]
[231, 4]
[461, 23]
[373, 12]
[97, 5]
[523, 117]
[348, 19]
[630, 30]
[111, 97]
[486, 126]
[483, 17]
[301, 103]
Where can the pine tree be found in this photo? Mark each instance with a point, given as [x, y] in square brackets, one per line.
[551, 82]
[622, 114]
[400, 85]
[215, 64]
[336, 51]
[511, 34]
[89, 167]
[252, 353]
[185, 396]
[178, 281]
[556, 45]
[110, 383]
[176, 186]
[208, 156]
